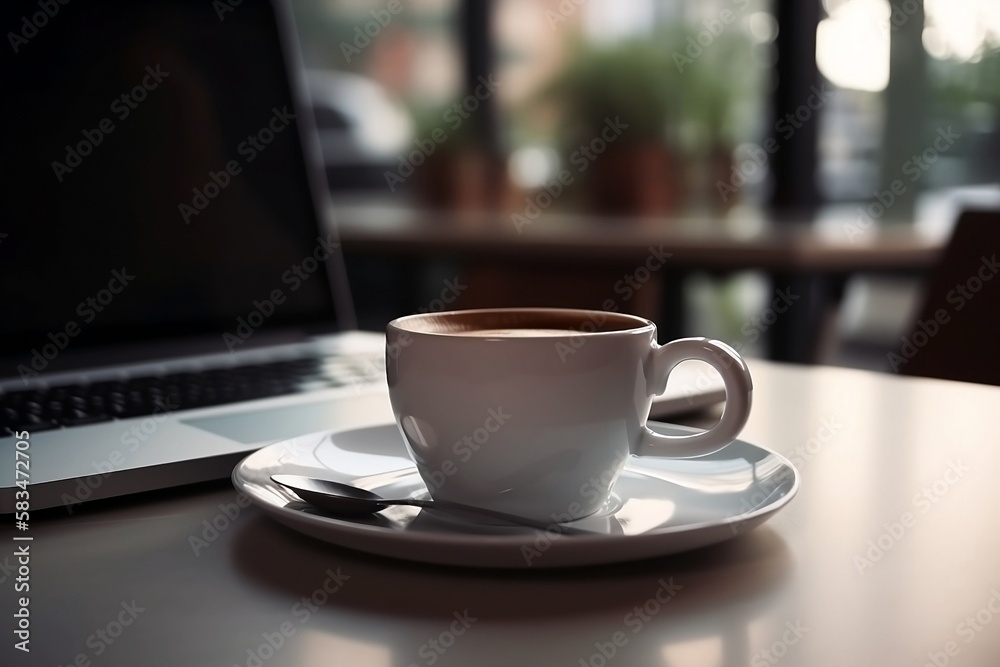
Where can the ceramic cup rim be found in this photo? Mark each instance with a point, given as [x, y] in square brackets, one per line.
[628, 325]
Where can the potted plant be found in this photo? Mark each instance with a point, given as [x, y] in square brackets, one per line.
[683, 119]
[615, 106]
[454, 168]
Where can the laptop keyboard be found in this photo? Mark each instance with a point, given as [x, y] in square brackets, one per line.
[68, 405]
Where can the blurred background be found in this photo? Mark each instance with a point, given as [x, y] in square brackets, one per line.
[783, 175]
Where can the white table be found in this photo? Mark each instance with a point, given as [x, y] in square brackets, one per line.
[890, 555]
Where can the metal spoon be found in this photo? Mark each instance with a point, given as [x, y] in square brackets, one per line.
[346, 500]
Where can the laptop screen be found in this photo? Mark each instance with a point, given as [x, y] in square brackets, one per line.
[154, 180]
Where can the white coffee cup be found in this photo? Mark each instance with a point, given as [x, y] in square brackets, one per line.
[534, 411]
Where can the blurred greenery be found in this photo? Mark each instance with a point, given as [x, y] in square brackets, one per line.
[633, 80]
[966, 97]
[954, 85]
[329, 30]
[694, 106]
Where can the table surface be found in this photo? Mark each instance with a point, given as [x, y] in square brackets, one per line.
[890, 555]
[738, 241]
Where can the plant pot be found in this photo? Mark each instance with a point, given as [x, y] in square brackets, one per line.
[637, 179]
[462, 180]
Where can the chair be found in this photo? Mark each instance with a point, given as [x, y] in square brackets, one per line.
[956, 335]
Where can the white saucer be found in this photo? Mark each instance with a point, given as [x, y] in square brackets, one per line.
[660, 506]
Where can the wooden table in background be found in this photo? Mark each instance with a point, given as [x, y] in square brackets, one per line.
[575, 261]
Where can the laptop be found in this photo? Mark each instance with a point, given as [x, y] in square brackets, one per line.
[172, 293]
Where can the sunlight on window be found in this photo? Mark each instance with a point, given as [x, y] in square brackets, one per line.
[763, 27]
[961, 29]
[533, 166]
[607, 21]
[852, 45]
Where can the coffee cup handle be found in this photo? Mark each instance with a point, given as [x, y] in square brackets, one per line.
[739, 392]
